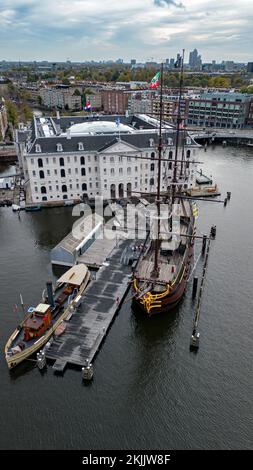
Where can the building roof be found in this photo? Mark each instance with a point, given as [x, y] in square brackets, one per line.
[74, 275]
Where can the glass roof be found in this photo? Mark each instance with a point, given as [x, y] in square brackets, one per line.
[99, 127]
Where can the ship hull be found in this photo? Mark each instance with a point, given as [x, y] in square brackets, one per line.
[174, 296]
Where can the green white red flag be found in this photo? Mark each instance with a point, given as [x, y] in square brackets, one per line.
[155, 81]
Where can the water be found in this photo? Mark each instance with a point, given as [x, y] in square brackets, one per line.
[149, 391]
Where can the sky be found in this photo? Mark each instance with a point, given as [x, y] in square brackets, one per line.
[80, 30]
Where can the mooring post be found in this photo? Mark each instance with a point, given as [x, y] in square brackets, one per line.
[204, 244]
[195, 287]
[228, 195]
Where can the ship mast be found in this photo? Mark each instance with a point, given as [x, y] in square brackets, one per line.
[179, 122]
[158, 194]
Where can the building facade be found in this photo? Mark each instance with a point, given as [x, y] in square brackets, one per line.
[60, 98]
[65, 161]
[224, 110]
[114, 101]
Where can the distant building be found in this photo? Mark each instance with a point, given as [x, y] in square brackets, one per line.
[250, 67]
[95, 99]
[229, 66]
[195, 61]
[114, 101]
[60, 97]
[3, 121]
[224, 110]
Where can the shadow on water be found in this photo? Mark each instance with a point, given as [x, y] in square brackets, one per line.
[24, 368]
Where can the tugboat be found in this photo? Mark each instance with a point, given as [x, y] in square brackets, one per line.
[42, 321]
[161, 272]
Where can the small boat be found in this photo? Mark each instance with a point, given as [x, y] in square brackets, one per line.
[60, 329]
[33, 208]
[42, 321]
[15, 208]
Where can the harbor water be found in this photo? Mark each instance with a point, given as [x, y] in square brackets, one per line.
[149, 391]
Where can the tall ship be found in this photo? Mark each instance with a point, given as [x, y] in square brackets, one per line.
[42, 321]
[163, 267]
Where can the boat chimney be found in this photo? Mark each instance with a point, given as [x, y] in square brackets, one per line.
[50, 294]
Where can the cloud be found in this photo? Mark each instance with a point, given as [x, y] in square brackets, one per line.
[92, 29]
[162, 3]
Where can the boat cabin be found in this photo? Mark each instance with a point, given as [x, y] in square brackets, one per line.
[37, 322]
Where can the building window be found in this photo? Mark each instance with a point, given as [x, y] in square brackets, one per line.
[112, 171]
[77, 186]
[120, 171]
[64, 188]
[76, 171]
[34, 173]
[63, 173]
[50, 188]
[83, 172]
[42, 176]
[80, 146]
[170, 155]
[48, 172]
[59, 147]
[84, 187]
[152, 155]
[43, 190]
[129, 171]
[54, 160]
[62, 161]
[37, 148]
[55, 172]
[40, 163]
[152, 182]
[112, 159]
[152, 167]
[36, 189]
[69, 171]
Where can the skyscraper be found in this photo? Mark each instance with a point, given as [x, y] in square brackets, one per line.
[195, 61]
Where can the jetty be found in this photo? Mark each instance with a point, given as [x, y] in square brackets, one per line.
[90, 322]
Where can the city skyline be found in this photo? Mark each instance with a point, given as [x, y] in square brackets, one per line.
[86, 30]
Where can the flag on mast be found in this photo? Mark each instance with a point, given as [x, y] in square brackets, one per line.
[155, 81]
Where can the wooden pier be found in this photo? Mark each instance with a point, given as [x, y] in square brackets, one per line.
[89, 325]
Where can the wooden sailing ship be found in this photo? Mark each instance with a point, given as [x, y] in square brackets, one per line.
[162, 270]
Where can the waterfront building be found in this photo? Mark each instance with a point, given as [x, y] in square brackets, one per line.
[224, 110]
[3, 120]
[78, 158]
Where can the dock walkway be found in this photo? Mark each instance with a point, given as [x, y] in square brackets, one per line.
[89, 324]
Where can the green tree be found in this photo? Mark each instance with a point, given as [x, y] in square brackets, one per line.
[220, 82]
[12, 113]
